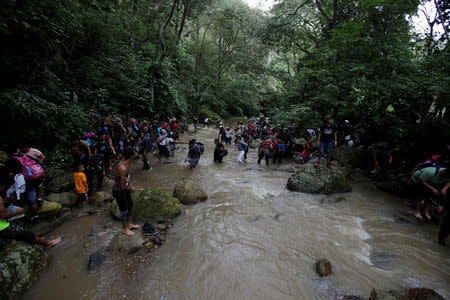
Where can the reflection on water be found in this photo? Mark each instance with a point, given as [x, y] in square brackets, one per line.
[252, 239]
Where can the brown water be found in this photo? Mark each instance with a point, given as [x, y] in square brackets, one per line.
[252, 239]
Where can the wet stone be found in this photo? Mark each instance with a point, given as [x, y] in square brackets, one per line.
[422, 294]
[323, 267]
[376, 294]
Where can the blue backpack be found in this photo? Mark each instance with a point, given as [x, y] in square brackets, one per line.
[281, 149]
[201, 147]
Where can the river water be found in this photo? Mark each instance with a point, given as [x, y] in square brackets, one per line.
[252, 239]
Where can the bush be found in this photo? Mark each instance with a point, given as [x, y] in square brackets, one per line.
[204, 113]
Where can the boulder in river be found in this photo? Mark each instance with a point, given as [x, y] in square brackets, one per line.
[100, 197]
[376, 294]
[61, 183]
[323, 267]
[322, 180]
[50, 210]
[67, 199]
[422, 294]
[126, 243]
[19, 263]
[148, 204]
[189, 192]
[255, 144]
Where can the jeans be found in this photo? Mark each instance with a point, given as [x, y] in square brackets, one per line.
[325, 147]
[241, 156]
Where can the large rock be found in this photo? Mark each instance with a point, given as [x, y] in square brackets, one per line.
[323, 267]
[19, 263]
[422, 294]
[126, 243]
[343, 154]
[376, 294]
[67, 199]
[100, 197]
[148, 204]
[50, 210]
[311, 179]
[61, 183]
[299, 144]
[189, 192]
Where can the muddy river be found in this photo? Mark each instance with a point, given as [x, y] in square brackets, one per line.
[252, 239]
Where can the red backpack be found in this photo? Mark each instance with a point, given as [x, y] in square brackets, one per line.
[30, 168]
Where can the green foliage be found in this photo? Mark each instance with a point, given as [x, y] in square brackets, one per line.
[204, 113]
[304, 117]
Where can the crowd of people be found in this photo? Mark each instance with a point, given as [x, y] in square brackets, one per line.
[115, 143]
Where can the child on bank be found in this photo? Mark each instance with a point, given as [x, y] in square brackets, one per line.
[81, 185]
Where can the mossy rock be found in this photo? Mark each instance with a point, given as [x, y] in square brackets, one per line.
[19, 264]
[62, 183]
[100, 197]
[189, 192]
[126, 243]
[150, 204]
[343, 154]
[321, 180]
[255, 144]
[3, 156]
[67, 199]
[50, 210]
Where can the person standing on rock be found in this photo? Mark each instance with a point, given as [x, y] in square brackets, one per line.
[122, 189]
[325, 139]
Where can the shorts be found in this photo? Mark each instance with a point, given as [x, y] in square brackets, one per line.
[82, 197]
[163, 150]
[125, 203]
[17, 233]
[30, 193]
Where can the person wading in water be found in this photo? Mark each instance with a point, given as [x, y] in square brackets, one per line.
[122, 189]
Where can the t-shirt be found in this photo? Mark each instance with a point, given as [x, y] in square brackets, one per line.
[430, 176]
[80, 179]
[35, 153]
[166, 141]
[194, 151]
[327, 133]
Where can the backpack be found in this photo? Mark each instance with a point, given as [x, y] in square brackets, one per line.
[201, 147]
[31, 169]
[281, 149]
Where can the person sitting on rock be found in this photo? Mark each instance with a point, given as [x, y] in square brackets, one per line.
[12, 231]
[429, 183]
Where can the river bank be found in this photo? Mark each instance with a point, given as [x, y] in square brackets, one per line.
[252, 239]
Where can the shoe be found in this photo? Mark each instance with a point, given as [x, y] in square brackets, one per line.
[148, 229]
[373, 172]
[329, 166]
[317, 164]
